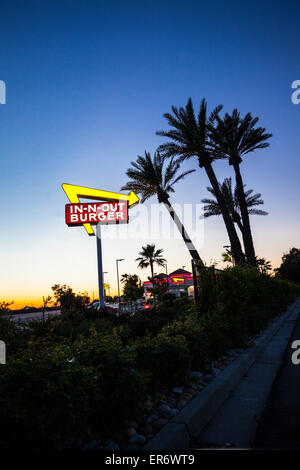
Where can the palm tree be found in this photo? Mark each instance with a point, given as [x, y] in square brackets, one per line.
[227, 256]
[125, 277]
[263, 265]
[150, 255]
[235, 137]
[252, 200]
[192, 137]
[148, 177]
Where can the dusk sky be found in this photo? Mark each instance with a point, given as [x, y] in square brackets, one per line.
[87, 83]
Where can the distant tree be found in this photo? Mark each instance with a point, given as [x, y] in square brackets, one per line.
[45, 302]
[133, 288]
[67, 300]
[263, 265]
[212, 207]
[149, 256]
[290, 266]
[4, 307]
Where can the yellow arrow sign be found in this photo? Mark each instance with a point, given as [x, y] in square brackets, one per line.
[74, 192]
[178, 279]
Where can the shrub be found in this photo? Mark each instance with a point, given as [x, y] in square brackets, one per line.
[165, 358]
[197, 342]
[46, 397]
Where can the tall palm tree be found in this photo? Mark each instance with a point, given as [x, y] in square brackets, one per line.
[192, 137]
[235, 137]
[150, 255]
[148, 177]
[252, 200]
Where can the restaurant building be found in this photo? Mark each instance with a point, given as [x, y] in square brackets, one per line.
[180, 282]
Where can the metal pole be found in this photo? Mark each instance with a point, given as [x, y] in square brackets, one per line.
[100, 272]
[118, 281]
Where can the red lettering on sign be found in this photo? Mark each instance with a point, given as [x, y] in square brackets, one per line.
[93, 213]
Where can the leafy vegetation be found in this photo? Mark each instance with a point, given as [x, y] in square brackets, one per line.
[75, 376]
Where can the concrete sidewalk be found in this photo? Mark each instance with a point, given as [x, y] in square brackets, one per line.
[279, 427]
[237, 421]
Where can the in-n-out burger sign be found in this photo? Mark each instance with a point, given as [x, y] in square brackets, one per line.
[107, 208]
[94, 213]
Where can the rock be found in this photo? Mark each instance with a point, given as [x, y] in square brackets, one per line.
[138, 439]
[216, 371]
[148, 404]
[194, 375]
[177, 390]
[173, 412]
[164, 408]
[159, 423]
[152, 418]
[186, 397]
[146, 429]
[208, 377]
[130, 432]
[181, 404]
[194, 385]
[141, 419]
[92, 445]
[130, 423]
[149, 437]
[112, 446]
[171, 401]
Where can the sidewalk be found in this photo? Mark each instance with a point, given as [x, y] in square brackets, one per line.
[279, 427]
[236, 423]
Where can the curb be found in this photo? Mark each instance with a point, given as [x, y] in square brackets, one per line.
[192, 419]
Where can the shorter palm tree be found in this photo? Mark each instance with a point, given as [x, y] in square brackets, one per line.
[211, 206]
[227, 256]
[125, 277]
[150, 255]
[263, 265]
[148, 177]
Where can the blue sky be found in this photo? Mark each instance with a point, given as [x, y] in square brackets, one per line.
[87, 85]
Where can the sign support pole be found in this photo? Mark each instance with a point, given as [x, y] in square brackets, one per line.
[100, 269]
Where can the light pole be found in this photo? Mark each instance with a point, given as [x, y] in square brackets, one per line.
[166, 266]
[104, 290]
[117, 261]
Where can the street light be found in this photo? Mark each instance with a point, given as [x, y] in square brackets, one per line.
[166, 266]
[117, 261]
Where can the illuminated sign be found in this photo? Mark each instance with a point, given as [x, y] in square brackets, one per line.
[74, 192]
[94, 213]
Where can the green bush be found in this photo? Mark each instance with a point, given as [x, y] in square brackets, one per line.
[45, 397]
[165, 358]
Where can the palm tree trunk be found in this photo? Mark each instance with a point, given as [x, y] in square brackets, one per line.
[151, 267]
[190, 246]
[236, 248]
[240, 226]
[247, 235]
